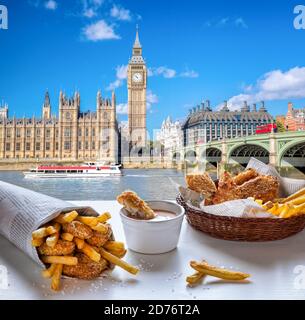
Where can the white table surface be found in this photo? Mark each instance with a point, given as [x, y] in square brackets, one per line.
[163, 276]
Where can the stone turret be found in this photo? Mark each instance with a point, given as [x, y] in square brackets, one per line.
[262, 108]
[225, 107]
[46, 107]
[3, 111]
[245, 107]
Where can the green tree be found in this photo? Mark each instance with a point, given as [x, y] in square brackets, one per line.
[280, 127]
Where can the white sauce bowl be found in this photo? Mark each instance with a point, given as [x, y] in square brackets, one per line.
[153, 236]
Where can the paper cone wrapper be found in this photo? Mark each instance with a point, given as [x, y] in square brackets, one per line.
[22, 211]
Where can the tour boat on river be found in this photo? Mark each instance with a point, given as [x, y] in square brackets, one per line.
[86, 170]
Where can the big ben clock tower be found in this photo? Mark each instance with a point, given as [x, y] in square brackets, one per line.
[137, 79]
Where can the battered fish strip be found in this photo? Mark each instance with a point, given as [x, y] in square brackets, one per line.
[262, 187]
[78, 229]
[62, 248]
[135, 206]
[245, 176]
[265, 188]
[99, 239]
[201, 183]
[86, 268]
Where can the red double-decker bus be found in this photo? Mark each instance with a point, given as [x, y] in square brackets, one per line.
[267, 128]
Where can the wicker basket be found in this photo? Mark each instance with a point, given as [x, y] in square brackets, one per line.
[241, 229]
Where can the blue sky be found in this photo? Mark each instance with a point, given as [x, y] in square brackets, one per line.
[195, 49]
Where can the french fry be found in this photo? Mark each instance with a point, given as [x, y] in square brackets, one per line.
[39, 233]
[268, 205]
[79, 243]
[297, 201]
[195, 278]
[104, 217]
[298, 210]
[66, 260]
[285, 209]
[55, 284]
[120, 253]
[66, 217]
[115, 260]
[294, 196]
[91, 253]
[48, 273]
[258, 201]
[90, 221]
[67, 236]
[274, 209]
[37, 242]
[51, 230]
[52, 240]
[113, 245]
[225, 274]
[100, 227]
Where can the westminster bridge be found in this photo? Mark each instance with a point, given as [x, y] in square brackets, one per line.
[278, 149]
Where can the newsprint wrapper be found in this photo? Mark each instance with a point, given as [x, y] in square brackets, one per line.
[22, 211]
[244, 208]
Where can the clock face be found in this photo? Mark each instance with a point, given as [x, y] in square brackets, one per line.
[137, 77]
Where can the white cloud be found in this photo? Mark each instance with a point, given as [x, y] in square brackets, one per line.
[89, 13]
[122, 108]
[162, 71]
[91, 7]
[169, 73]
[227, 22]
[121, 75]
[151, 98]
[274, 85]
[100, 31]
[240, 22]
[51, 5]
[189, 74]
[121, 71]
[120, 13]
[223, 21]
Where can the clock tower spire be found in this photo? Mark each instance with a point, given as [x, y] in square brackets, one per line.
[136, 85]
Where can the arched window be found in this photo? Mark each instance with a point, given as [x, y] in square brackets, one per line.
[68, 115]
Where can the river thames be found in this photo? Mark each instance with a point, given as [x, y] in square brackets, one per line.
[148, 183]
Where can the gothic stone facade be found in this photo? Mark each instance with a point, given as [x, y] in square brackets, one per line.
[73, 135]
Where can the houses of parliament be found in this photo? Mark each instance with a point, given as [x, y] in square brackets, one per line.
[74, 135]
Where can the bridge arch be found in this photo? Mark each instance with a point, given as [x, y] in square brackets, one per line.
[242, 153]
[293, 153]
[190, 156]
[212, 155]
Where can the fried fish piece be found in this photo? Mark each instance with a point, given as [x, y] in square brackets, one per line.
[78, 229]
[86, 268]
[245, 176]
[227, 189]
[135, 206]
[61, 248]
[261, 187]
[265, 188]
[98, 239]
[201, 183]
